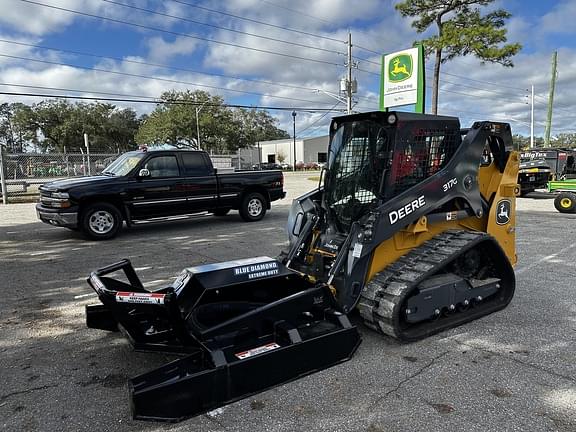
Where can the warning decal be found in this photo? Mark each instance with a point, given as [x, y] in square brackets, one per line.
[259, 350]
[140, 298]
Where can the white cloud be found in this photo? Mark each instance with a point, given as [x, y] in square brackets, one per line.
[38, 20]
[489, 96]
[160, 50]
[561, 19]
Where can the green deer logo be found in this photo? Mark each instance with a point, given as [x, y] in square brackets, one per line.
[400, 68]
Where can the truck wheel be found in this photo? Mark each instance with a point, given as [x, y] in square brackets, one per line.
[101, 221]
[221, 212]
[253, 207]
[565, 202]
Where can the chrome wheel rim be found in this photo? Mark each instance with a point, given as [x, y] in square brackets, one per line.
[101, 222]
[254, 207]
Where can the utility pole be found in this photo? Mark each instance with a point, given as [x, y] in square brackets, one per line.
[551, 100]
[3, 187]
[349, 85]
[349, 77]
[198, 109]
[532, 119]
[294, 137]
[87, 145]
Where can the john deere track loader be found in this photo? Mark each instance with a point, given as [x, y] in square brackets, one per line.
[414, 227]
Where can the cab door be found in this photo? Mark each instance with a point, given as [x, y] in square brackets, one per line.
[160, 193]
[199, 182]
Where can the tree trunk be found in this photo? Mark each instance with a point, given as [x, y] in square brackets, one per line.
[436, 80]
[437, 62]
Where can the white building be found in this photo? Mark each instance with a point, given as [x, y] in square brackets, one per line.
[307, 150]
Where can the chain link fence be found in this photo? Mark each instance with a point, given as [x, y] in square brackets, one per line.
[25, 172]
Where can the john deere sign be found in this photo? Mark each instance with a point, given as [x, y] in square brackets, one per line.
[402, 80]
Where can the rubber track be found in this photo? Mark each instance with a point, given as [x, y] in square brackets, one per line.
[382, 297]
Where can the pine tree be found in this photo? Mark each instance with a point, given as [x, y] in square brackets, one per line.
[461, 30]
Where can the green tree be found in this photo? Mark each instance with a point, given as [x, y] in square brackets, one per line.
[564, 140]
[55, 125]
[522, 142]
[174, 121]
[187, 117]
[255, 126]
[10, 133]
[461, 30]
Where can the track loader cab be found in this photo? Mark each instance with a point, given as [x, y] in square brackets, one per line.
[377, 157]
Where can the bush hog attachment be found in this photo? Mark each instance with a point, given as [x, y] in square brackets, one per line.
[243, 326]
[414, 227]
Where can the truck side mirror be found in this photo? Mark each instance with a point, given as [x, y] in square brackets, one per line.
[144, 173]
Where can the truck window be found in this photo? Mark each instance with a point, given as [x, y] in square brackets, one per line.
[163, 166]
[195, 165]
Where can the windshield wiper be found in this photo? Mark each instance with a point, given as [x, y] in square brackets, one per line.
[108, 173]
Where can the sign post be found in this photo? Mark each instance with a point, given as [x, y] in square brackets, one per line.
[402, 81]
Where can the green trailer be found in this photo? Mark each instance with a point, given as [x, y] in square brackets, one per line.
[565, 201]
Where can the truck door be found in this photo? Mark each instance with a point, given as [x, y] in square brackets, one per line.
[199, 182]
[160, 193]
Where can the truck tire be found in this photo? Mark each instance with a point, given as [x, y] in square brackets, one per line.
[101, 221]
[253, 207]
[221, 212]
[565, 202]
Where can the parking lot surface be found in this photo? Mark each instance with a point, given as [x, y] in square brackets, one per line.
[511, 371]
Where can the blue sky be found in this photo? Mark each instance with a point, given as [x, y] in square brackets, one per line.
[197, 44]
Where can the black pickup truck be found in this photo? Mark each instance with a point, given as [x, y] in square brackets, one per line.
[141, 185]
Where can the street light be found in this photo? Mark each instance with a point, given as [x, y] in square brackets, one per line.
[198, 124]
[294, 135]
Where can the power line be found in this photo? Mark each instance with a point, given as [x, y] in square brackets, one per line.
[297, 12]
[317, 120]
[379, 53]
[368, 72]
[117, 21]
[369, 50]
[71, 90]
[430, 69]
[157, 78]
[555, 106]
[167, 102]
[138, 62]
[379, 64]
[324, 21]
[291, 43]
[443, 81]
[256, 21]
[121, 94]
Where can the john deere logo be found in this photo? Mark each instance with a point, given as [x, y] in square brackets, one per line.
[503, 212]
[400, 68]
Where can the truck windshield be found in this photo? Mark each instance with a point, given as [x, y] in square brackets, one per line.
[124, 164]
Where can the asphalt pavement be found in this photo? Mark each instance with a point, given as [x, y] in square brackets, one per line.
[514, 370]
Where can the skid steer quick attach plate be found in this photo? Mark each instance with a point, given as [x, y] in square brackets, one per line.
[243, 326]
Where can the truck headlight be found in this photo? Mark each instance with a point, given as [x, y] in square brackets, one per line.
[59, 200]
